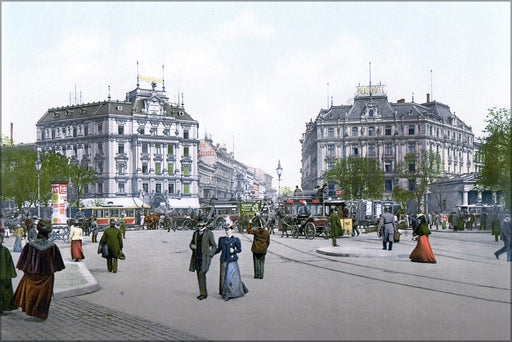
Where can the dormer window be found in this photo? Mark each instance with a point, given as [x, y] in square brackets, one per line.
[354, 131]
[370, 113]
[154, 106]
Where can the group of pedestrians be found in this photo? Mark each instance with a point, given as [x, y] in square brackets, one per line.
[39, 259]
[204, 248]
[420, 231]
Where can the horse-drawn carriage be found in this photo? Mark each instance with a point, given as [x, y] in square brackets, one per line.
[304, 218]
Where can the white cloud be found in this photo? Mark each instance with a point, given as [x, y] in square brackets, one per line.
[245, 25]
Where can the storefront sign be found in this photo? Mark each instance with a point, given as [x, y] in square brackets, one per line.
[149, 79]
[365, 90]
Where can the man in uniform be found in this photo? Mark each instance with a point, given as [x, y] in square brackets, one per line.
[387, 226]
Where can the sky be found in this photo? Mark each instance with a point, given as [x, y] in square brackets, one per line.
[254, 73]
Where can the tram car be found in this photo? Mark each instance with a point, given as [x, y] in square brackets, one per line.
[132, 215]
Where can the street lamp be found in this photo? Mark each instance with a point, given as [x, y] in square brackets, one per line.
[279, 171]
[38, 169]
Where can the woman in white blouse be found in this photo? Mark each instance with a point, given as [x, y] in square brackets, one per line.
[75, 235]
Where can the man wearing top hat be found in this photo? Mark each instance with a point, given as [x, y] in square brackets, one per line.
[203, 248]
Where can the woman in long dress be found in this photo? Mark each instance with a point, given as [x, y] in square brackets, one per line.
[39, 260]
[7, 272]
[18, 233]
[422, 252]
[230, 281]
[75, 235]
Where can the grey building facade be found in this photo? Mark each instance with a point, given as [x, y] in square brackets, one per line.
[144, 147]
[374, 127]
[223, 177]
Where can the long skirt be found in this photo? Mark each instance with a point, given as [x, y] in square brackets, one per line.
[422, 252]
[34, 294]
[17, 244]
[230, 281]
[76, 250]
[6, 295]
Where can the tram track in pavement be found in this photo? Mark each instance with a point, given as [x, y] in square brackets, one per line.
[381, 269]
[464, 254]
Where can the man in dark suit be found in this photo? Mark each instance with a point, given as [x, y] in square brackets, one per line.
[203, 248]
[114, 240]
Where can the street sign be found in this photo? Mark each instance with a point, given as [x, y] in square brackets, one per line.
[338, 192]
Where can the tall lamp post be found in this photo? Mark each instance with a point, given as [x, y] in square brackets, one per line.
[38, 169]
[279, 171]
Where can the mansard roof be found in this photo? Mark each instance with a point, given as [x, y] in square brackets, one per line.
[388, 110]
[86, 110]
[133, 105]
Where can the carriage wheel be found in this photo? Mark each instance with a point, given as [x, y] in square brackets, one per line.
[187, 224]
[219, 223]
[310, 231]
[327, 231]
[178, 225]
[295, 231]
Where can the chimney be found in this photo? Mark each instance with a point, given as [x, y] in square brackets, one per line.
[428, 97]
[401, 101]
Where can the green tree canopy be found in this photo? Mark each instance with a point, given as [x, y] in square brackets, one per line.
[357, 177]
[80, 176]
[19, 175]
[421, 169]
[286, 190]
[5, 140]
[496, 152]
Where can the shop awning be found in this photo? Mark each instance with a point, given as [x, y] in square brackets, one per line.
[114, 201]
[184, 202]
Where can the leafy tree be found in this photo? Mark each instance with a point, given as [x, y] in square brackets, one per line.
[421, 169]
[54, 169]
[19, 176]
[402, 196]
[358, 177]
[495, 153]
[286, 190]
[5, 140]
[80, 176]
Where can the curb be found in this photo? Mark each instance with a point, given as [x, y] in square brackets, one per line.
[356, 252]
[91, 286]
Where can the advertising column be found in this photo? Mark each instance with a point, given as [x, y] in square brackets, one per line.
[59, 203]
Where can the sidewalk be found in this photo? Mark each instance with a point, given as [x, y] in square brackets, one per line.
[74, 280]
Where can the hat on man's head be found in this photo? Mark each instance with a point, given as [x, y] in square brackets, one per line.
[44, 226]
[112, 222]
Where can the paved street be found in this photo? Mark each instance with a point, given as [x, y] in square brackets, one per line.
[305, 295]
